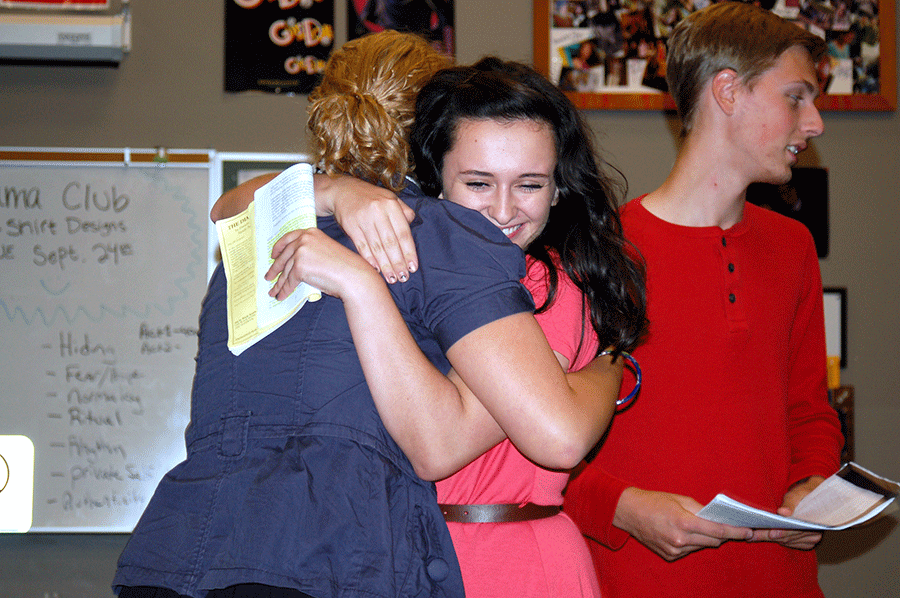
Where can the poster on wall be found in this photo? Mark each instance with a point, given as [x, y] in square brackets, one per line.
[278, 47]
[66, 4]
[432, 19]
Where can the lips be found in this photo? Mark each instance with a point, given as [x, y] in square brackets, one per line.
[796, 148]
[511, 230]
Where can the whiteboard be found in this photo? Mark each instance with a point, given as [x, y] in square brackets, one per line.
[103, 266]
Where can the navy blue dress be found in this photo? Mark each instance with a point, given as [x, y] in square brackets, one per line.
[291, 479]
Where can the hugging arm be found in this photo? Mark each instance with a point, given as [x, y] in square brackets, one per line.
[373, 217]
[236, 200]
[553, 418]
[420, 407]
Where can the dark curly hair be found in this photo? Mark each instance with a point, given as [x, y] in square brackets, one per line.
[583, 235]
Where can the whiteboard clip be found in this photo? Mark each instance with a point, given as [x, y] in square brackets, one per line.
[161, 156]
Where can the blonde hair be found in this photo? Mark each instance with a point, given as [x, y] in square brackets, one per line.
[728, 35]
[361, 113]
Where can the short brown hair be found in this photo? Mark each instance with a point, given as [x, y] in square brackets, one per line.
[728, 35]
[361, 112]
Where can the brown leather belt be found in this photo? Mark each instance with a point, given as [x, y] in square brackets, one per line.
[497, 513]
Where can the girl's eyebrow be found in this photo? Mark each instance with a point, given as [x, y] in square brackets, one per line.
[490, 174]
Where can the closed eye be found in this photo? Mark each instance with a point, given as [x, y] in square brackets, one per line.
[476, 184]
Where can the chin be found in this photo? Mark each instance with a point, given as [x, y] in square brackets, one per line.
[778, 178]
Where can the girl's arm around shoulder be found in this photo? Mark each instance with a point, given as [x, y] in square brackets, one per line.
[373, 217]
[552, 417]
[523, 393]
[420, 407]
[236, 200]
[438, 427]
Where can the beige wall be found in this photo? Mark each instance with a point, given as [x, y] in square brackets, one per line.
[168, 92]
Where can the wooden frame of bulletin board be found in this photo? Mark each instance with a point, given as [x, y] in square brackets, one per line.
[610, 80]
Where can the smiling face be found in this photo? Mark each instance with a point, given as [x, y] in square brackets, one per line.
[778, 117]
[503, 169]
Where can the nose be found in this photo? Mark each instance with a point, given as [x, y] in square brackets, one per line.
[502, 209]
[812, 122]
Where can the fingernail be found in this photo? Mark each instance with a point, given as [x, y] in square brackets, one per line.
[392, 279]
[412, 266]
[403, 277]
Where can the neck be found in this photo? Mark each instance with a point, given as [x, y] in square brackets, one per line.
[701, 189]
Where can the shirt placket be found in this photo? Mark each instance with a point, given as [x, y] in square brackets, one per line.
[735, 300]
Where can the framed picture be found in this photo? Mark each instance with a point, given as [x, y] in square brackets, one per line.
[239, 168]
[835, 302]
[803, 198]
[842, 400]
[610, 54]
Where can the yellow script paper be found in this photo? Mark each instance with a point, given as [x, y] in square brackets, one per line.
[284, 204]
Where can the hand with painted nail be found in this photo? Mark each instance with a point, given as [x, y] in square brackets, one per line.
[376, 221]
[373, 217]
[311, 256]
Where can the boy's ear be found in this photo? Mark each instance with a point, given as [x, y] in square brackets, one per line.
[724, 86]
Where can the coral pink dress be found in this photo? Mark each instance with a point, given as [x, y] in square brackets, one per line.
[545, 558]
